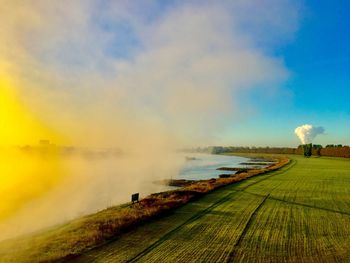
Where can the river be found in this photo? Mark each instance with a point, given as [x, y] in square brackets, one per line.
[204, 166]
[93, 185]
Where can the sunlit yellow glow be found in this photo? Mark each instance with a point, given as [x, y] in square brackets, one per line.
[24, 174]
[17, 125]
[24, 177]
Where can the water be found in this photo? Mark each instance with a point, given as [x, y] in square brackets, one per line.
[204, 166]
[93, 185]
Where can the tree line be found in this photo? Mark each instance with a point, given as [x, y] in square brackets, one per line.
[332, 150]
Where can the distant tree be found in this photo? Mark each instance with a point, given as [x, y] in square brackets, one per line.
[316, 149]
[307, 149]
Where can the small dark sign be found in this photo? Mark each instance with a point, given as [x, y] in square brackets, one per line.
[135, 197]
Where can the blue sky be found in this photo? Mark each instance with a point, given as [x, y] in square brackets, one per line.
[320, 57]
[318, 89]
[200, 72]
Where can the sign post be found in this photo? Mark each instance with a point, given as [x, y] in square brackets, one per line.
[135, 197]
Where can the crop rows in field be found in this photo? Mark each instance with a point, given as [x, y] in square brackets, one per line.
[287, 232]
[318, 184]
[210, 237]
[298, 214]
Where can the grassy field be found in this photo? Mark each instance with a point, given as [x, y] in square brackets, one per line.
[300, 213]
[65, 241]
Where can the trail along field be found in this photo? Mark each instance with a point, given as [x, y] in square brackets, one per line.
[300, 213]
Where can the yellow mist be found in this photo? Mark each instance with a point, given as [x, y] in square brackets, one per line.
[25, 173]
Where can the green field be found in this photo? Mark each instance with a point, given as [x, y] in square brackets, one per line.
[300, 213]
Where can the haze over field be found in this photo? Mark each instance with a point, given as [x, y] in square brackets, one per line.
[145, 77]
[173, 72]
[148, 83]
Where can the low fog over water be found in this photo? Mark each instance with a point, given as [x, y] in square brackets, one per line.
[204, 166]
[92, 184]
[178, 82]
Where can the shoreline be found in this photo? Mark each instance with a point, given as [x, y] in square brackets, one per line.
[82, 234]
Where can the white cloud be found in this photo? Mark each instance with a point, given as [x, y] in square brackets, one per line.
[307, 133]
[178, 84]
[190, 62]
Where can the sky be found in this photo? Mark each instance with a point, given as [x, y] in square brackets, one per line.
[182, 72]
[318, 89]
[151, 77]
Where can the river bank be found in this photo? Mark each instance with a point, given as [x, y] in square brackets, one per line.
[69, 240]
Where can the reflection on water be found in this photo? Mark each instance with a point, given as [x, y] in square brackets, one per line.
[90, 185]
[203, 166]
